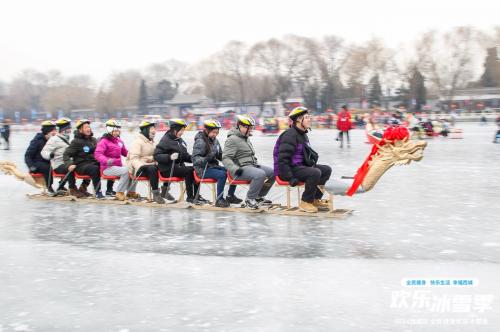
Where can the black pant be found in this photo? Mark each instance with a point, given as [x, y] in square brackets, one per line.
[44, 168]
[92, 170]
[151, 172]
[62, 169]
[312, 176]
[341, 137]
[185, 172]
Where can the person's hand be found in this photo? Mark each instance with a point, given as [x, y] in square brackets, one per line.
[174, 156]
[211, 156]
[71, 168]
[239, 172]
[110, 162]
[293, 182]
[33, 169]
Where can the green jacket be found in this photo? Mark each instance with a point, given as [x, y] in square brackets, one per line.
[238, 151]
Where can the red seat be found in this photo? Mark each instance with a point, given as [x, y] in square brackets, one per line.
[281, 182]
[58, 175]
[172, 179]
[36, 175]
[82, 176]
[109, 177]
[232, 181]
[205, 180]
[138, 178]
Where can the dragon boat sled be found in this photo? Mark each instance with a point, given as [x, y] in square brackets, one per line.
[394, 149]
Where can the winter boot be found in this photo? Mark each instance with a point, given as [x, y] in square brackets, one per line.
[77, 193]
[307, 207]
[120, 196]
[133, 195]
[99, 195]
[83, 190]
[165, 194]
[157, 197]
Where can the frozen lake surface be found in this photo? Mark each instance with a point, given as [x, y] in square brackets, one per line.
[123, 268]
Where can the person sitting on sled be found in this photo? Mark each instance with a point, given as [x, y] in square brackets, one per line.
[33, 157]
[171, 154]
[239, 158]
[79, 156]
[109, 152]
[207, 153]
[295, 160]
[141, 162]
[54, 151]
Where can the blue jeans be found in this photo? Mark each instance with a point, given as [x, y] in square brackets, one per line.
[219, 174]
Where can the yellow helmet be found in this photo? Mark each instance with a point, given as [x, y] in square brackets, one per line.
[245, 120]
[112, 123]
[212, 124]
[177, 123]
[81, 122]
[48, 126]
[145, 124]
[63, 122]
[298, 111]
[48, 123]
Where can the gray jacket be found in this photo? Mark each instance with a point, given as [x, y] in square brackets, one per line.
[55, 146]
[201, 156]
[238, 151]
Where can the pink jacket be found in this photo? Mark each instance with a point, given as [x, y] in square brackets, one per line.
[110, 148]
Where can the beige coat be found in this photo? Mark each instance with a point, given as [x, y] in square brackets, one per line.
[140, 153]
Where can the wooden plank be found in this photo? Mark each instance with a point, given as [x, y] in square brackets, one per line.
[274, 209]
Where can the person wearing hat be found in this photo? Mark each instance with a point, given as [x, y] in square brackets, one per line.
[295, 160]
[33, 157]
[109, 152]
[170, 152]
[207, 153]
[344, 125]
[79, 156]
[54, 151]
[239, 158]
[141, 162]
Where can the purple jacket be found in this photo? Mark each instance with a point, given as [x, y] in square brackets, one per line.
[110, 148]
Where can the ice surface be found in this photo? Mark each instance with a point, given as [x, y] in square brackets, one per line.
[122, 268]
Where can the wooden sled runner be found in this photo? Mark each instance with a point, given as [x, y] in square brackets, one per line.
[275, 209]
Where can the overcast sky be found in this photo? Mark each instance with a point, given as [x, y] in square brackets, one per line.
[97, 37]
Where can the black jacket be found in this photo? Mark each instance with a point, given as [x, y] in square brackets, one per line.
[293, 149]
[168, 145]
[80, 151]
[201, 154]
[33, 154]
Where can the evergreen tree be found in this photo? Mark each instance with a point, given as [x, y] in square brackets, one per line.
[491, 74]
[375, 91]
[418, 92]
[143, 98]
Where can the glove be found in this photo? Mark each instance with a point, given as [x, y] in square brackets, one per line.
[33, 169]
[110, 162]
[52, 155]
[211, 156]
[293, 182]
[174, 156]
[239, 172]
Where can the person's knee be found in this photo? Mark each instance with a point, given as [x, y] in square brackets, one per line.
[326, 171]
[313, 175]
